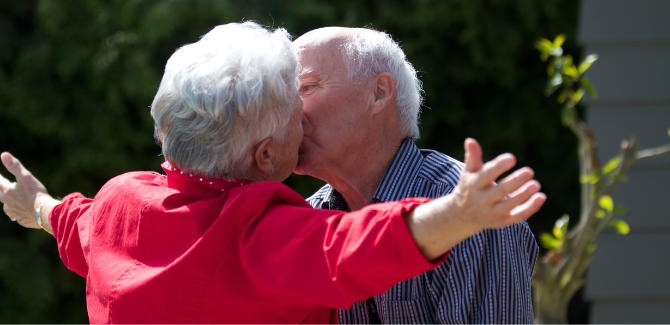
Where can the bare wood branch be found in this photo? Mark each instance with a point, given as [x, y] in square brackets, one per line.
[628, 153]
[653, 152]
[587, 214]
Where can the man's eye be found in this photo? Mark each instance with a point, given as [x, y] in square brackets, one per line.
[306, 87]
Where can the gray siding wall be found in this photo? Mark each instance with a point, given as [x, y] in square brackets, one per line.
[629, 279]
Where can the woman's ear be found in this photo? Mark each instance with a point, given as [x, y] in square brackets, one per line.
[264, 157]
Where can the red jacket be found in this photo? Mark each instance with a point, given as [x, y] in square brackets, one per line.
[181, 249]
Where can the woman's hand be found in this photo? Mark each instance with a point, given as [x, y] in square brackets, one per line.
[22, 198]
[476, 203]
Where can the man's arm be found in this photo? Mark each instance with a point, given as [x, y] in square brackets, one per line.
[487, 277]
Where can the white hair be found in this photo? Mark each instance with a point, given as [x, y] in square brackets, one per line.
[368, 53]
[222, 95]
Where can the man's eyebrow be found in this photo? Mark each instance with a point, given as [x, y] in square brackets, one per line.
[309, 72]
[305, 72]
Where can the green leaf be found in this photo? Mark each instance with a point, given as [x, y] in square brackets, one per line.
[544, 56]
[561, 96]
[567, 60]
[561, 226]
[600, 214]
[558, 41]
[553, 84]
[544, 45]
[570, 71]
[612, 164]
[620, 209]
[550, 242]
[565, 279]
[577, 96]
[606, 203]
[591, 247]
[550, 67]
[556, 51]
[590, 178]
[589, 88]
[619, 177]
[586, 64]
[565, 115]
[620, 226]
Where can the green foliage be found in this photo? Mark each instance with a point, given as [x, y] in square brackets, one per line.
[561, 271]
[550, 242]
[561, 227]
[591, 247]
[620, 226]
[555, 240]
[562, 72]
[586, 64]
[590, 178]
[564, 75]
[606, 203]
[77, 77]
[612, 164]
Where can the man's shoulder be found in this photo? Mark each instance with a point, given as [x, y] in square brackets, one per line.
[440, 168]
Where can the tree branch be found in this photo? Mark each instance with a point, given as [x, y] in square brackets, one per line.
[653, 152]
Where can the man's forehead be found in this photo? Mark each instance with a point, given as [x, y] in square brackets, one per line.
[324, 37]
[320, 52]
[322, 64]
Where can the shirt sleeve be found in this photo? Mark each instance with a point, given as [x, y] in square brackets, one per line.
[63, 220]
[331, 258]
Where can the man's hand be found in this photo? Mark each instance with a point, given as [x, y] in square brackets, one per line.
[20, 199]
[476, 203]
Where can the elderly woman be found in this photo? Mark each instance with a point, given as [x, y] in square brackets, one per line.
[219, 239]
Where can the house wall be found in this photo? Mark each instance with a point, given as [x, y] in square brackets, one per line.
[629, 279]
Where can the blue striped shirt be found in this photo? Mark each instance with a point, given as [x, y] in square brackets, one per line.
[485, 279]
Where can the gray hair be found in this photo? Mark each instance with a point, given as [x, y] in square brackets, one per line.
[369, 53]
[222, 95]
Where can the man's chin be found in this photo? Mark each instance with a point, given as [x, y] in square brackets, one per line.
[302, 168]
[299, 170]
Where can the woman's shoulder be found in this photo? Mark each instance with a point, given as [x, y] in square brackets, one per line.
[137, 176]
[272, 192]
[133, 181]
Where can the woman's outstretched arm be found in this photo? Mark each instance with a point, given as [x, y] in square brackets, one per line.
[22, 199]
[476, 203]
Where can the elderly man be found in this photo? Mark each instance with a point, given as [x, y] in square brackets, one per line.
[361, 101]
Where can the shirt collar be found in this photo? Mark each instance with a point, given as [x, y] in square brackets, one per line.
[182, 180]
[404, 169]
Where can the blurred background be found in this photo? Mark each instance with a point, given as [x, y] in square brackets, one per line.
[77, 78]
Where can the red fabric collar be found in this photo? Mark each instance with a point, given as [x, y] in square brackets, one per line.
[180, 179]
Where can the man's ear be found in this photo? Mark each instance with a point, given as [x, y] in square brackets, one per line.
[383, 91]
[264, 156]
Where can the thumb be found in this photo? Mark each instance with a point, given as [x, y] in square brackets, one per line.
[13, 165]
[473, 155]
